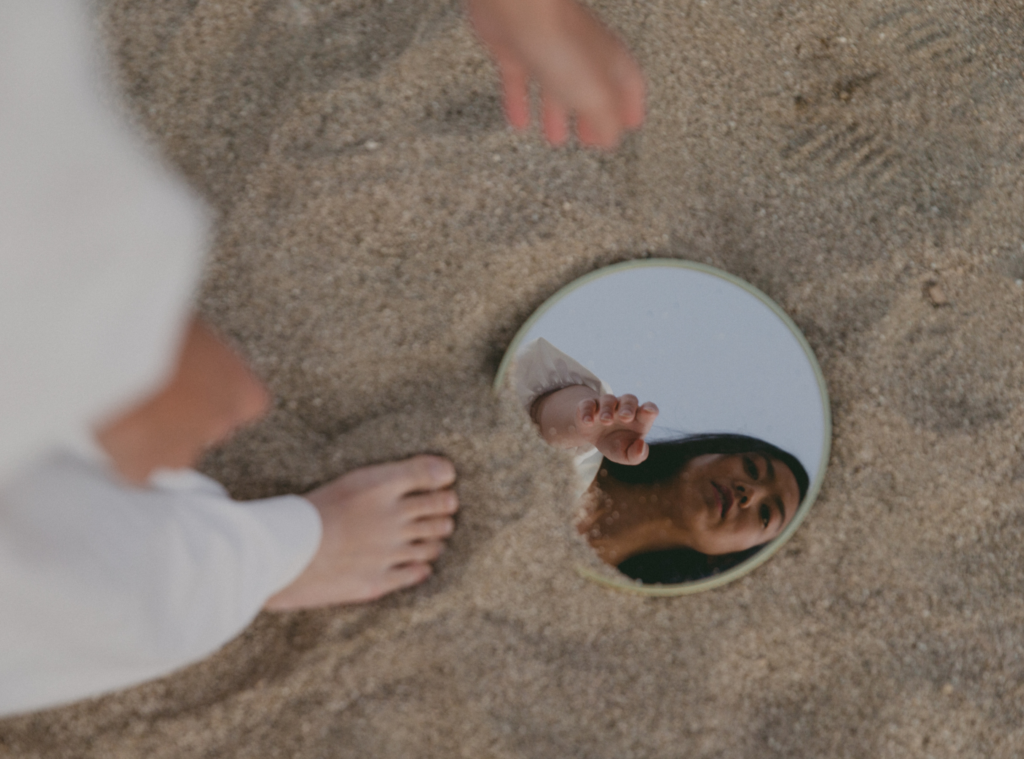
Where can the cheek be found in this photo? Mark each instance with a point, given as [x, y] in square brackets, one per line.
[718, 542]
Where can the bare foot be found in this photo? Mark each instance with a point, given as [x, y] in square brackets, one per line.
[382, 526]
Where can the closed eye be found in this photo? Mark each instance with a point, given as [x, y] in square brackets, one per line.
[751, 468]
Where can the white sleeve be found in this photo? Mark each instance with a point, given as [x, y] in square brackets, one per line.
[100, 246]
[104, 585]
[540, 368]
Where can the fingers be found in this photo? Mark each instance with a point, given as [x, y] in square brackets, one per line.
[648, 410]
[622, 409]
[610, 411]
[632, 93]
[586, 412]
[606, 412]
[637, 452]
[555, 120]
[515, 81]
[626, 410]
[584, 68]
[645, 416]
[598, 129]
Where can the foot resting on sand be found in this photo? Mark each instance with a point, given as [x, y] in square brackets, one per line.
[382, 526]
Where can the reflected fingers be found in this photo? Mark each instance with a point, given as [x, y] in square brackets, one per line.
[627, 408]
[606, 414]
[648, 409]
[515, 82]
[555, 119]
[637, 452]
[646, 415]
[586, 411]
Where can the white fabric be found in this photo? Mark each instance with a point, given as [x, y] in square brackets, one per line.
[540, 368]
[103, 585]
[99, 248]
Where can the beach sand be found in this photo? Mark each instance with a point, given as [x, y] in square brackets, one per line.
[382, 235]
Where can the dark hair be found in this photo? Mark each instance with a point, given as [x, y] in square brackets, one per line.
[665, 460]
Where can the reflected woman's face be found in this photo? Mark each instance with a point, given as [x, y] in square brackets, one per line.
[734, 502]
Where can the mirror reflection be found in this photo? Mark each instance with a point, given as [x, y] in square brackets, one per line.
[693, 409]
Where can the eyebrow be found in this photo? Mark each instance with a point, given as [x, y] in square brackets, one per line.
[782, 512]
[768, 466]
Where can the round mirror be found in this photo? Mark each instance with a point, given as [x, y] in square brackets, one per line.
[695, 412]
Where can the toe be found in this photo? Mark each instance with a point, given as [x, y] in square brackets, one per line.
[403, 576]
[421, 551]
[430, 504]
[421, 473]
[424, 529]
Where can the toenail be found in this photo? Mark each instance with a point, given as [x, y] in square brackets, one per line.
[441, 470]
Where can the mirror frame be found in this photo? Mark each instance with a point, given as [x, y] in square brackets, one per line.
[740, 570]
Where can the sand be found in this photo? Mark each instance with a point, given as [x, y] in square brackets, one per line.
[381, 237]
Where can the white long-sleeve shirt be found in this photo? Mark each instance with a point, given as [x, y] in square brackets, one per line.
[540, 368]
[103, 585]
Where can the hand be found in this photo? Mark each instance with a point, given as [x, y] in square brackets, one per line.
[617, 426]
[581, 66]
[382, 527]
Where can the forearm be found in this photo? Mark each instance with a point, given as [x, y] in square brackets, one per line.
[556, 415]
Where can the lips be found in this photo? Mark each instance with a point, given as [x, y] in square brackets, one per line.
[725, 498]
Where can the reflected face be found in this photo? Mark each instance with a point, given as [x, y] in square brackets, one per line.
[733, 502]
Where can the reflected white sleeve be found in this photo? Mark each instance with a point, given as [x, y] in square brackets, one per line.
[103, 585]
[540, 368]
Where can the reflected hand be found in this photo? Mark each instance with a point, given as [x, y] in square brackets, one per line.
[617, 426]
[581, 66]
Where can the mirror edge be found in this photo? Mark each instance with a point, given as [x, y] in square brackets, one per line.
[748, 566]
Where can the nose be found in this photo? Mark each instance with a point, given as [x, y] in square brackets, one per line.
[748, 495]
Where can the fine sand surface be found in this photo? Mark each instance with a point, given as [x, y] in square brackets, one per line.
[383, 235]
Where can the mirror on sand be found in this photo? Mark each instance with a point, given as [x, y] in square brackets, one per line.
[695, 412]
